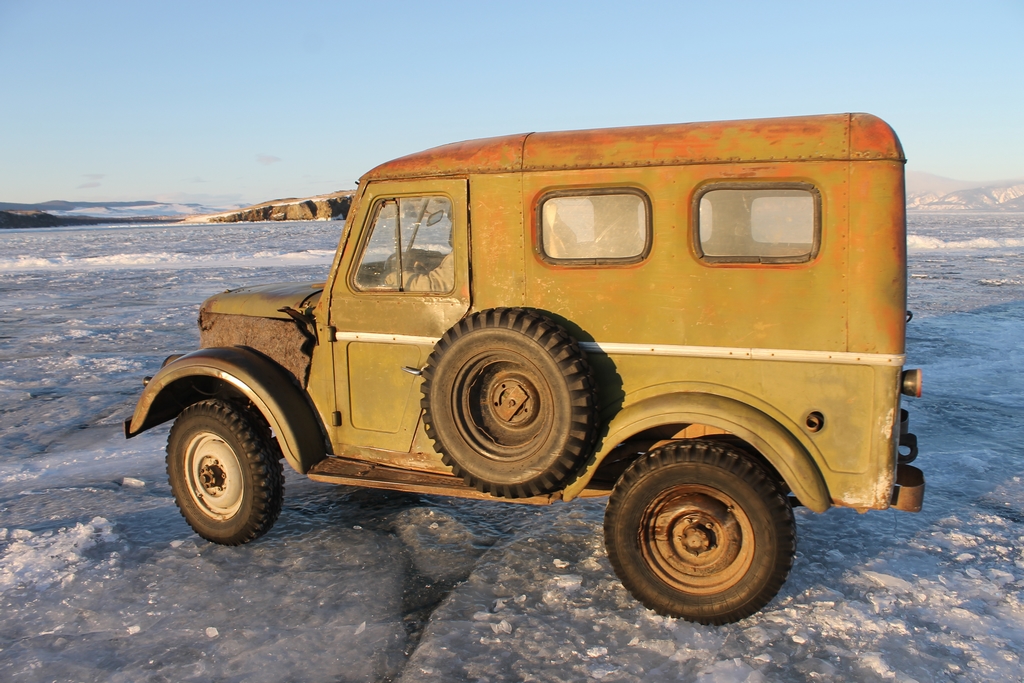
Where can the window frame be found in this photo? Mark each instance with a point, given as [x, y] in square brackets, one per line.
[593, 192]
[364, 242]
[756, 185]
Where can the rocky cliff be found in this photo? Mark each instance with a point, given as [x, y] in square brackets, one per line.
[323, 207]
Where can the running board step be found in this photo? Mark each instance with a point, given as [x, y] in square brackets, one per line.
[348, 472]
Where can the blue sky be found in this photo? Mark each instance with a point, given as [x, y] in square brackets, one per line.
[247, 101]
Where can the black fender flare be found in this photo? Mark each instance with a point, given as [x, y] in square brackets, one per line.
[787, 455]
[270, 387]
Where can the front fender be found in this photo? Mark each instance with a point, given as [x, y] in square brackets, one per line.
[269, 386]
[786, 454]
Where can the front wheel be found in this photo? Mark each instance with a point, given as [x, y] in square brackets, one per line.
[700, 531]
[225, 472]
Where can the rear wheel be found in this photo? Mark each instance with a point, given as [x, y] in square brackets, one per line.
[697, 530]
[225, 472]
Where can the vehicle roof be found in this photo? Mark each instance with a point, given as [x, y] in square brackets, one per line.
[801, 138]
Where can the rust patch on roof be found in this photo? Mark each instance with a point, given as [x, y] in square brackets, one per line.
[803, 138]
[487, 155]
[873, 138]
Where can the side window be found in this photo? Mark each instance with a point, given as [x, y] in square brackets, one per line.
[377, 267]
[758, 223]
[597, 226]
[409, 248]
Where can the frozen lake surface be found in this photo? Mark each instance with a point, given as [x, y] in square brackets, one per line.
[101, 579]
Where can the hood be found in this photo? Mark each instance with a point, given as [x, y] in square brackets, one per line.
[265, 301]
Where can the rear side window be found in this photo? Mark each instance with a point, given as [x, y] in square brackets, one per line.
[596, 226]
[758, 222]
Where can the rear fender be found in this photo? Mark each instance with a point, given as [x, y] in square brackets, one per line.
[779, 447]
[198, 375]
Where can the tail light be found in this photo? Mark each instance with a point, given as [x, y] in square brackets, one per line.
[910, 383]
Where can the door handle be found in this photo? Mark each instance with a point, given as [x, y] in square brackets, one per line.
[412, 371]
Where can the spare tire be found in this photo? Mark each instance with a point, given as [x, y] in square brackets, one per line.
[509, 402]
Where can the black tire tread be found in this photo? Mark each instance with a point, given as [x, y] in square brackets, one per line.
[577, 373]
[263, 455]
[731, 461]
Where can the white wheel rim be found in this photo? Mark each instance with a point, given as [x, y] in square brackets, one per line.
[214, 476]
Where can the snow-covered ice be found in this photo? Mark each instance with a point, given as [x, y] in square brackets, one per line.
[101, 579]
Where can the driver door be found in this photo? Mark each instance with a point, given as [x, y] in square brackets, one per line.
[402, 282]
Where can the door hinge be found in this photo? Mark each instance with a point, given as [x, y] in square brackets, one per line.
[332, 333]
[336, 418]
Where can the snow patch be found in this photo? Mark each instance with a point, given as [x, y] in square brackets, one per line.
[40, 560]
[167, 260]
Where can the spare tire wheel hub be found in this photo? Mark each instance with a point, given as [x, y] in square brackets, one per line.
[510, 400]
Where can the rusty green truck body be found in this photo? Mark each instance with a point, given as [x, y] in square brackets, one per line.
[792, 346]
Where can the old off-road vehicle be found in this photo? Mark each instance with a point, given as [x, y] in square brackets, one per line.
[704, 321]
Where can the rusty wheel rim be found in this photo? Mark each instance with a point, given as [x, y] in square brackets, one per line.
[500, 400]
[697, 539]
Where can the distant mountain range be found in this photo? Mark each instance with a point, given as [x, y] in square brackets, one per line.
[59, 213]
[139, 209]
[926, 192]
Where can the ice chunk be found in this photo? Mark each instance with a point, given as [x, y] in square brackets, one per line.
[757, 636]
[729, 671]
[212, 632]
[600, 671]
[873, 661]
[664, 647]
[893, 582]
[834, 556]
[569, 582]
[999, 577]
[813, 665]
[132, 482]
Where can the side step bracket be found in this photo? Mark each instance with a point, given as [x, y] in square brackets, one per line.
[349, 472]
[908, 493]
